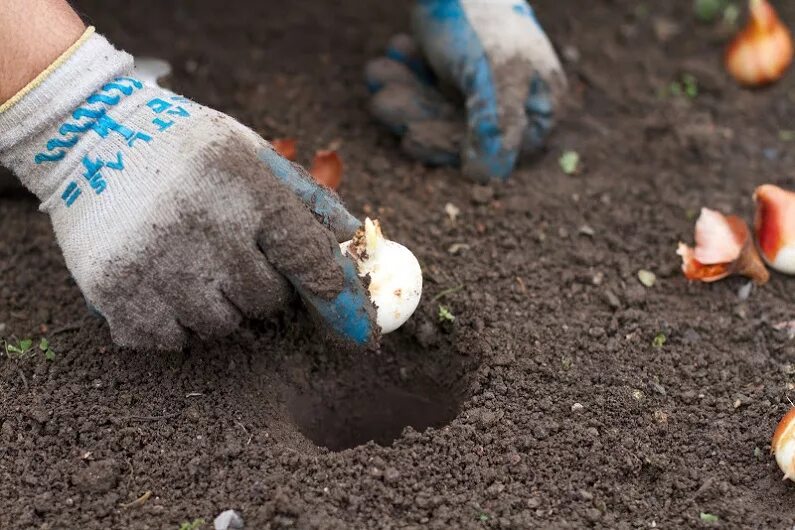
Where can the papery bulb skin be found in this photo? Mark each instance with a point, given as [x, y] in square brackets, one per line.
[393, 273]
[761, 53]
[783, 444]
[724, 247]
[775, 226]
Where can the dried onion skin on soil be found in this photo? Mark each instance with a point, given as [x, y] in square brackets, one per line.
[761, 53]
[724, 247]
[775, 226]
[783, 444]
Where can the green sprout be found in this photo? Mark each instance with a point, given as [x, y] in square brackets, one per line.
[709, 11]
[24, 348]
[708, 517]
[19, 348]
[445, 315]
[685, 86]
[690, 85]
[659, 340]
[569, 162]
[195, 525]
[44, 346]
[786, 135]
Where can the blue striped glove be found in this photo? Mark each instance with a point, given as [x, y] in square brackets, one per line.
[478, 85]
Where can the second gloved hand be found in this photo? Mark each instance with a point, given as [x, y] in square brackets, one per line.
[479, 84]
[174, 218]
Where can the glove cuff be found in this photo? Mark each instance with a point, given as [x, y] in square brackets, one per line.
[43, 121]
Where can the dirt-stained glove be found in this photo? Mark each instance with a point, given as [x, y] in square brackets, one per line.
[173, 217]
[488, 91]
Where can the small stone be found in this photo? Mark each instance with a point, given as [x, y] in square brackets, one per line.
[638, 395]
[228, 520]
[452, 211]
[457, 248]
[647, 278]
[745, 291]
[577, 407]
[586, 230]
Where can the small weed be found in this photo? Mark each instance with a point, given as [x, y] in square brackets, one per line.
[685, 86]
[18, 349]
[708, 517]
[786, 135]
[659, 340]
[569, 162]
[709, 11]
[44, 346]
[195, 525]
[21, 349]
[483, 517]
[445, 315]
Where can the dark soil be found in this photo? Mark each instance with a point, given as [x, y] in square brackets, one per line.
[548, 309]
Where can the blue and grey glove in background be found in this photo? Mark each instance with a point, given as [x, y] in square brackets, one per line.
[477, 85]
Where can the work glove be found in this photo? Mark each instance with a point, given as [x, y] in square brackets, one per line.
[174, 218]
[477, 85]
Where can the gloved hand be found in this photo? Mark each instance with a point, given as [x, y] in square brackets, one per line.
[173, 217]
[488, 91]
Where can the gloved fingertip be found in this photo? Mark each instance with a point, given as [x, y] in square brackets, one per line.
[437, 143]
[404, 49]
[397, 105]
[486, 167]
[350, 315]
[384, 71]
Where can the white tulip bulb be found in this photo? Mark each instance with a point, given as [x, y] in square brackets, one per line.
[395, 276]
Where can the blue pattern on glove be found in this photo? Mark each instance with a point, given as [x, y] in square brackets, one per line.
[346, 314]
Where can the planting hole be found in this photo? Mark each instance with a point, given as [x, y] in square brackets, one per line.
[346, 404]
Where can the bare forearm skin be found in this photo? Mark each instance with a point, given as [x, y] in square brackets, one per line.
[33, 33]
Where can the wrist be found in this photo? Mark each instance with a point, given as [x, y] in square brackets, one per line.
[33, 34]
[45, 127]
